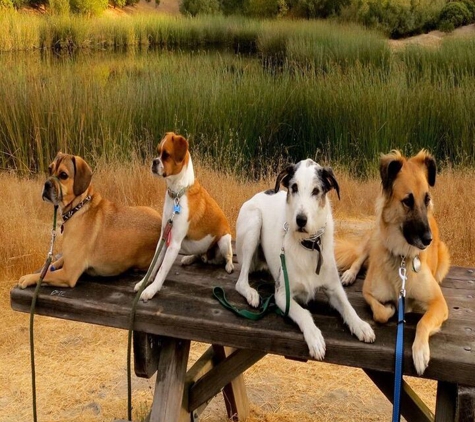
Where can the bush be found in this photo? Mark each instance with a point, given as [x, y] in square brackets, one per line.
[6, 4]
[199, 7]
[470, 4]
[453, 15]
[89, 7]
[317, 8]
[59, 7]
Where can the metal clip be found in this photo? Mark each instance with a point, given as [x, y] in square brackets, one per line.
[403, 276]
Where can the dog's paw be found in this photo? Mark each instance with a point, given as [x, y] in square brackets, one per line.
[148, 293]
[138, 285]
[364, 332]
[28, 280]
[348, 278]
[315, 342]
[383, 313]
[188, 260]
[252, 297]
[229, 267]
[420, 356]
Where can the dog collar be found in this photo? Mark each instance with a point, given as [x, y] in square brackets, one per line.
[67, 215]
[314, 243]
[179, 194]
[416, 263]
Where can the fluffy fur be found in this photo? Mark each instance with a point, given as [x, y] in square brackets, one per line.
[405, 226]
[200, 229]
[304, 209]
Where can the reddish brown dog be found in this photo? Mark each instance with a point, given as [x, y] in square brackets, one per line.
[99, 237]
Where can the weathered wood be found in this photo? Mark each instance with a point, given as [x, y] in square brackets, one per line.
[185, 308]
[412, 407]
[146, 353]
[235, 395]
[465, 404]
[224, 372]
[171, 372]
[199, 368]
[446, 402]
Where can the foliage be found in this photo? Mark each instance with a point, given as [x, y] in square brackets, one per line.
[453, 15]
[6, 4]
[59, 7]
[317, 8]
[199, 7]
[89, 7]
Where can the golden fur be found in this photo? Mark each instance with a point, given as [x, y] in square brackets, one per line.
[102, 238]
[405, 226]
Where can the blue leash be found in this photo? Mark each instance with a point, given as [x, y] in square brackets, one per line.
[399, 355]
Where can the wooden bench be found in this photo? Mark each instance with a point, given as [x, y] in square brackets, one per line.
[185, 310]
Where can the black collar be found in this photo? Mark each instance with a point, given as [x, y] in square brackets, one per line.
[314, 243]
[67, 215]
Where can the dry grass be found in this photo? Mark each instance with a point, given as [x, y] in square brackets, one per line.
[81, 368]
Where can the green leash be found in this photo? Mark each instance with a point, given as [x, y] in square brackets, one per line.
[267, 304]
[44, 270]
[163, 239]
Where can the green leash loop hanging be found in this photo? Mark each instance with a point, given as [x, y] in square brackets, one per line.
[267, 304]
[32, 313]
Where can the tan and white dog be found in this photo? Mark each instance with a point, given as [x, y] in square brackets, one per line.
[406, 233]
[99, 237]
[200, 228]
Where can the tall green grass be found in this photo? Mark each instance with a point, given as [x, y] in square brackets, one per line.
[233, 109]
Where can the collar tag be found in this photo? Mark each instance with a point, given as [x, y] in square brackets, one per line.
[176, 208]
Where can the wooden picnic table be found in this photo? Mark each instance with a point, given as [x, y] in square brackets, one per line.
[185, 310]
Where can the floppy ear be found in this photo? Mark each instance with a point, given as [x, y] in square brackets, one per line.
[82, 175]
[427, 160]
[180, 146]
[284, 177]
[389, 167]
[329, 180]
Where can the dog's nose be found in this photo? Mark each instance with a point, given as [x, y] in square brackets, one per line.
[301, 220]
[156, 162]
[426, 238]
[48, 184]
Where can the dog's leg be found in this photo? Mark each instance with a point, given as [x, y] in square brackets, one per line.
[64, 277]
[381, 313]
[56, 265]
[189, 259]
[443, 264]
[247, 242]
[338, 299]
[155, 268]
[303, 318]
[429, 324]
[226, 250]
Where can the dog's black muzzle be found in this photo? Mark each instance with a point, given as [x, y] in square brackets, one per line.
[50, 192]
[417, 233]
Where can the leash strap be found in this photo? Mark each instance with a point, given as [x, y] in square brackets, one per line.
[399, 352]
[287, 285]
[166, 233]
[44, 270]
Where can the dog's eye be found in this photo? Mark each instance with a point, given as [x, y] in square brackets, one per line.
[165, 155]
[295, 188]
[427, 199]
[408, 201]
[315, 191]
[63, 175]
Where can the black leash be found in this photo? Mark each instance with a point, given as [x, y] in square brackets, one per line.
[44, 270]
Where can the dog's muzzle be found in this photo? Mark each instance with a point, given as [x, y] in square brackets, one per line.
[301, 221]
[49, 191]
[157, 167]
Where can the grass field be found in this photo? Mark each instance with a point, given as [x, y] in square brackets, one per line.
[81, 368]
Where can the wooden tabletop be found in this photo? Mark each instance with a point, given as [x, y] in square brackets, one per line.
[185, 308]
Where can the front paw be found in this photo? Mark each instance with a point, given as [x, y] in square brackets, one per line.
[315, 342]
[139, 285]
[229, 267]
[420, 356]
[383, 313]
[148, 293]
[28, 280]
[364, 332]
[348, 278]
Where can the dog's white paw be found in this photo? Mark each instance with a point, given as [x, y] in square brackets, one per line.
[188, 260]
[315, 342]
[138, 285]
[363, 331]
[348, 277]
[148, 293]
[420, 356]
[229, 267]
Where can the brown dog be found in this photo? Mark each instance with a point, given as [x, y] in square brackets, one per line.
[99, 237]
[405, 227]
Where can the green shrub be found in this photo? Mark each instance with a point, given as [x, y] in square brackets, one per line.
[59, 7]
[6, 4]
[89, 7]
[470, 4]
[317, 8]
[199, 7]
[453, 15]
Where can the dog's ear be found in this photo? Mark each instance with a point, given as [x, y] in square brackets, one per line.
[82, 175]
[180, 147]
[427, 160]
[329, 180]
[389, 167]
[284, 177]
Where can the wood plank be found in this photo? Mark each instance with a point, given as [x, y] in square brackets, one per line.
[446, 401]
[465, 404]
[412, 407]
[212, 382]
[235, 394]
[146, 354]
[168, 395]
